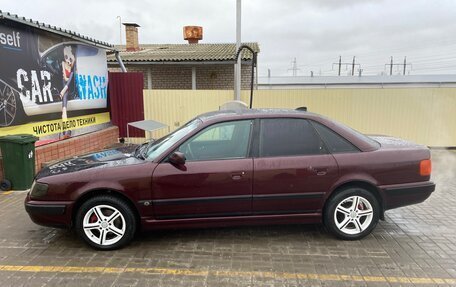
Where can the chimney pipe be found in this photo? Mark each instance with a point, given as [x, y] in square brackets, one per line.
[131, 34]
[193, 34]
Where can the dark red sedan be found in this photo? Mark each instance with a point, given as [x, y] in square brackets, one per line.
[235, 168]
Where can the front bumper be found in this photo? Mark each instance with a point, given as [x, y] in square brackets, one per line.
[49, 213]
[406, 194]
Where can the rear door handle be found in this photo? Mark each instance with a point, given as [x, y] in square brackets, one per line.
[321, 172]
[237, 175]
[318, 171]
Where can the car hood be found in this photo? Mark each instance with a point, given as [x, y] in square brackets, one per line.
[102, 159]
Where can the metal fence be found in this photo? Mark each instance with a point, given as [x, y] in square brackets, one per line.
[126, 103]
[423, 115]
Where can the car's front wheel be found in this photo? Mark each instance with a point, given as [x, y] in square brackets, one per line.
[352, 213]
[105, 222]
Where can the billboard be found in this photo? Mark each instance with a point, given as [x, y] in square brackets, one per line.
[50, 86]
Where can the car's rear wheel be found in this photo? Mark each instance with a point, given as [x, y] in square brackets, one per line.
[352, 213]
[105, 222]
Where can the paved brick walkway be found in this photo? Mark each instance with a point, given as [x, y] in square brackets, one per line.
[416, 245]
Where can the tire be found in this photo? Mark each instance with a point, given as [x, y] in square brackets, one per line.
[105, 222]
[11, 109]
[5, 185]
[352, 214]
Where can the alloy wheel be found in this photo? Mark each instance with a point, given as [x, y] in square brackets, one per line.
[353, 215]
[8, 105]
[104, 225]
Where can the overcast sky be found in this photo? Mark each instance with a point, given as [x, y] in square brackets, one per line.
[315, 32]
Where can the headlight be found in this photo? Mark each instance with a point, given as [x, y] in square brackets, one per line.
[38, 189]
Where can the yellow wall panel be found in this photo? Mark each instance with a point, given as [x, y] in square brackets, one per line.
[422, 115]
[175, 107]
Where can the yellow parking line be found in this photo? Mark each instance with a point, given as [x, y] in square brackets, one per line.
[6, 192]
[223, 273]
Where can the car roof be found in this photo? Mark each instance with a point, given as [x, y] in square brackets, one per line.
[252, 113]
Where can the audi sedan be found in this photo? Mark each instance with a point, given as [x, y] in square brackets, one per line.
[235, 168]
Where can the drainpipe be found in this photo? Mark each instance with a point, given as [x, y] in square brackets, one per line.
[254, 64]
[119, 60]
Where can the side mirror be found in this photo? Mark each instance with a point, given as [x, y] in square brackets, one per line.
[177, 158]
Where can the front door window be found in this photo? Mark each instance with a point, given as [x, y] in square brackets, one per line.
[228, 140]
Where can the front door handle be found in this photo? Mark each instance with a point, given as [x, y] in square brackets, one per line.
[237, 175]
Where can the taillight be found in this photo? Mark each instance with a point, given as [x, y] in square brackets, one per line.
[425, 167]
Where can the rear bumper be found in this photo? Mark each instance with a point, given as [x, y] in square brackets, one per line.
[406, 194]
[49, 213]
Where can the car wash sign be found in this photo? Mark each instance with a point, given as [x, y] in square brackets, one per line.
[50, 86]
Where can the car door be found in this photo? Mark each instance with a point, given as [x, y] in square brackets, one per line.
[293, 169]
[216, 179]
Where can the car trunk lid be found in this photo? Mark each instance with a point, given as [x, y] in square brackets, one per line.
[388, 142]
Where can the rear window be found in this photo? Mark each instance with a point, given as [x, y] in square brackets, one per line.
[360, 135]
[354, 133]
[334, 142]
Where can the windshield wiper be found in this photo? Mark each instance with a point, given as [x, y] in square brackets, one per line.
[142, 149]
[138, 151]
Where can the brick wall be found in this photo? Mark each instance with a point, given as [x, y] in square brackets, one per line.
[166, 77]
[132, 68]
[208, 77]
[74, 146]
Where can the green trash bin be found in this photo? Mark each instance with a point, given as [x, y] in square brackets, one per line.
[18, 152]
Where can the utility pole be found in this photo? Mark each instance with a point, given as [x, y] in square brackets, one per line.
[352, 64]
[340, 64]
[294, 67]
[237, 70]
[391, 66]
[404, 65]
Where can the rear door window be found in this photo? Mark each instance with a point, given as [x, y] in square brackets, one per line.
[288, 137]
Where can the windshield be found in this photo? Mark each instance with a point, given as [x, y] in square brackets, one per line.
[162, 144]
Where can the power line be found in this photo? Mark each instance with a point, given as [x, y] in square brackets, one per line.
[421, 52]
[436, 68]
[393, 64]
[427, 59]
[294, 67]
[352, 64]
[442, 61]
[407, 47]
